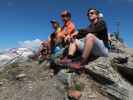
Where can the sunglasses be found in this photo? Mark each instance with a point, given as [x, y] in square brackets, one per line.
[64, 16]
[90, 13]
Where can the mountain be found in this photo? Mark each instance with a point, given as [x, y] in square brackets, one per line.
[14, 54]
[105, 78]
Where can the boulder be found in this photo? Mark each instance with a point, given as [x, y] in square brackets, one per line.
[124, 66]
[108, 78]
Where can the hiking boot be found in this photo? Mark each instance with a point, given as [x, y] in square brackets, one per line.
[78, 65]
[75, 65]
[65, 61]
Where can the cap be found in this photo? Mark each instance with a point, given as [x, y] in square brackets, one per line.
[66, 13]
[53, 21]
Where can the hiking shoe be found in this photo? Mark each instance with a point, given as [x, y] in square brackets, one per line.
[79, 64]
[65, 61]
[75, 65]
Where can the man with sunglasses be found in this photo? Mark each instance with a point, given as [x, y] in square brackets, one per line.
[92, 40]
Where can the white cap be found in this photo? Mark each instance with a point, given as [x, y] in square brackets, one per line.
[101, 15]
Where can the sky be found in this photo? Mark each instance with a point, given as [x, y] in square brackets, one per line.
[26, 22]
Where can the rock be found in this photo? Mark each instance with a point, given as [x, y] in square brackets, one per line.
[117, 44]
[20, 76]
[109, 79]
[1, 83]
[103, 79]
[124, 67]
[128, 51]
[102, 71]
[115, 92]
[65, 76]
[76, 95]
[121, 60]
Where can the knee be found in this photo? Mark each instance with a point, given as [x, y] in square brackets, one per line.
[90, 37]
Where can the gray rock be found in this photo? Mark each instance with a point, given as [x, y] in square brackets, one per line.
[124, 67]
[106, 78]
[1, 83]
[115, 92]
[20, 76]
[102, 70]
[109, 79]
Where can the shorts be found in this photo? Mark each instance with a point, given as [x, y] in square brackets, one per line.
[58, 52]
[98, 49]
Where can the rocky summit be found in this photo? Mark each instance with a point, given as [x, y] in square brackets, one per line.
[105, 78]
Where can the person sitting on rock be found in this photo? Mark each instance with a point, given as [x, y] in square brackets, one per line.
[55, 40]
[68, 29]
[93, 40]
[42, 53]
[50, 47]
[45, 50]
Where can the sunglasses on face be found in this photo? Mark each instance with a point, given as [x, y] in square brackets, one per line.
[64, 16]
[91, 13]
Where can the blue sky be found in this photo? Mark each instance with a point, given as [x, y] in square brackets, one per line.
[22, 20]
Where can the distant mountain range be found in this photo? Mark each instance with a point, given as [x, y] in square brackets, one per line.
[11, 55]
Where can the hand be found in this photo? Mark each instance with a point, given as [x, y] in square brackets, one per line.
[74, 34]
[67, 38]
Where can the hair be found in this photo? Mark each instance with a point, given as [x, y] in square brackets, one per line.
[97, 11]
[58, 24]
[67, 13]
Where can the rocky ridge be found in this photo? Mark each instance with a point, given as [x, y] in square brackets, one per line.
[106, 78]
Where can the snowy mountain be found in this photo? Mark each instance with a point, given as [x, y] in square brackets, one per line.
[15, 54]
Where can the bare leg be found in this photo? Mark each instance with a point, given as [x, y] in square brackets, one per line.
[74, 46]
[72, 49]
[89, 42]
[90, 39]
